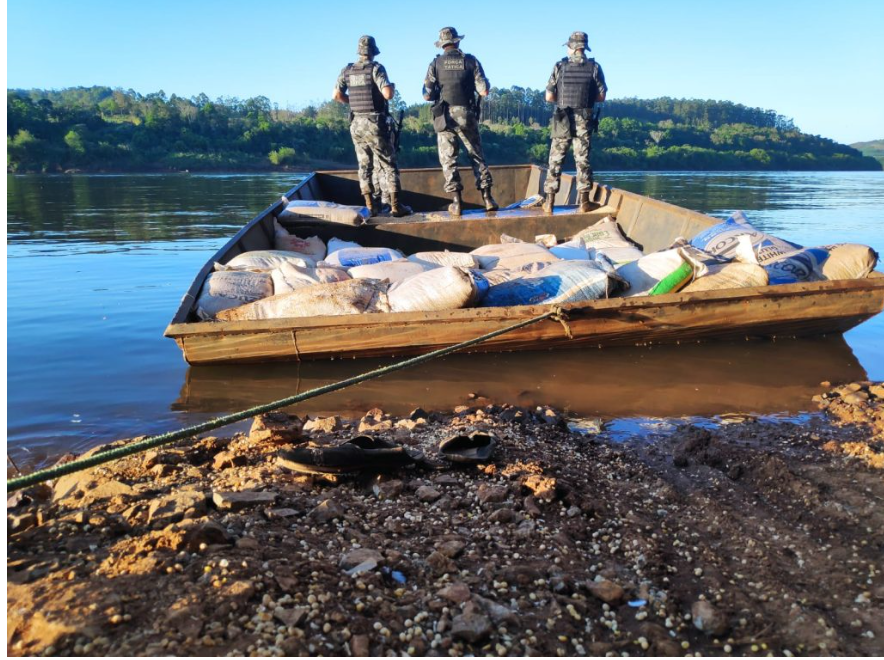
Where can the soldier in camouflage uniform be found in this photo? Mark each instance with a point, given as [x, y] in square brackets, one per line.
[576, 83]
[452, 82]
[365, 87]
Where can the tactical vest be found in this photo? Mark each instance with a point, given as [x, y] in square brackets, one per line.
[455, 76]
[576, 87]
[364, 94]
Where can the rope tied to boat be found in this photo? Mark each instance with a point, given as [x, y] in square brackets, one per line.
[151, 442]
[562, 318]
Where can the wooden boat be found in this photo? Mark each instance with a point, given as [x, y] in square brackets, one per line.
[810, 308]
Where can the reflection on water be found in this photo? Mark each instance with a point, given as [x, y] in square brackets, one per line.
[97, 265]
[136, 207]
[695, 379]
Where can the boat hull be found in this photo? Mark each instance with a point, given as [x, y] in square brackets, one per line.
[795, 310]
[790, 311]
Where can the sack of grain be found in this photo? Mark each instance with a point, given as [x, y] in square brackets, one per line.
[392, 271]
[510, 256]
[572, 250]
[722, 239]
[350, 257]
[500, 275]
[313, 247]
[332, 299]
[266, 260]
[558, 283]
[660, 272]
[606, 238]
[229, 289]
[327, 211]
[288, 278]
[843, 261]
[335, 244]
[728, 276]
[439, 289]
[445, 258]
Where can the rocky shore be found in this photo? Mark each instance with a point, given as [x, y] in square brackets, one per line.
[746, 538]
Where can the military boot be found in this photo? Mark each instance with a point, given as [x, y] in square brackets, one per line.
[583, 198]
[398, 210]
[549, 202]
[371, 204]
[456, 204]
[490, 204]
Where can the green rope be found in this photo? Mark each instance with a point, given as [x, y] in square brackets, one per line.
[100, 458]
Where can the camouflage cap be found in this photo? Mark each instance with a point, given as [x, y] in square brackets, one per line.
[447, 36]
[367, 46]
[578, 40]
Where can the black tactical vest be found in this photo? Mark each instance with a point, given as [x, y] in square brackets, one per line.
[576, 87]
[364, 94]
[455, 76]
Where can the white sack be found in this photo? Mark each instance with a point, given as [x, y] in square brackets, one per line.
[313, 246]
[392, 271]
[606, 238]
[435, 290]
[266, 260]
[445, 258]
[229, 289]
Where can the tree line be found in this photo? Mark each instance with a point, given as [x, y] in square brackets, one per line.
[105, 129]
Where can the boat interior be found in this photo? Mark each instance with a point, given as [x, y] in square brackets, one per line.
[649, 223]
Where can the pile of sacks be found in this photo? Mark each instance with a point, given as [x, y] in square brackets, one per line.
[304, 277]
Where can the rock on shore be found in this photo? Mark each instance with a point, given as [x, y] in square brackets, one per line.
[741, 539]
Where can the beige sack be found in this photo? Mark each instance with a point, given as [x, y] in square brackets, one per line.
[728, 276]
[511, 256]
[288, 278]
[332, 299]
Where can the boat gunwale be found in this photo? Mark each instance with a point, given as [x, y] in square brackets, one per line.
[875, 281]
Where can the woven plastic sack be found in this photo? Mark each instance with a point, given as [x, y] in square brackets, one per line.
[333, 299]
[436, 290]
[327, 211]
[392, 271]
[289, 278]
[266, 260]
[313, 247]
[723, 239]
[228, 289]
[558, 283]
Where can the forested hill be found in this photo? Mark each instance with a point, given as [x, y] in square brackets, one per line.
[104, 129]
[873, 148]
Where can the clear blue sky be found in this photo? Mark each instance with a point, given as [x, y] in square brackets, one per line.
[821, 63]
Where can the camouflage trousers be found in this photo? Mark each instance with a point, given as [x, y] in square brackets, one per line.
[559, 149]
[467, 129]
[378, 171]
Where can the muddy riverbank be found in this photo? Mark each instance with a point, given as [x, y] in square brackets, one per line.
[742, 538]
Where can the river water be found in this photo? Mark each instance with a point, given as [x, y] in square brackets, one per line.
[97, 265]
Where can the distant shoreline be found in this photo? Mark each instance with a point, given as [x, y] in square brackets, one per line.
[320, 165]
